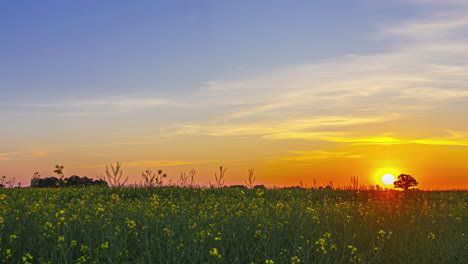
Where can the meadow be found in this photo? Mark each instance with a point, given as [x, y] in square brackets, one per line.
[231, 225]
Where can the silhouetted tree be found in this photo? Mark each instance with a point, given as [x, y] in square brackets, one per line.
[77, 181]
[46, 182]
[73, 181]
[405, 182]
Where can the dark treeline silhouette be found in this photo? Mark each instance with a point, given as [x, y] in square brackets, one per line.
[405, 182]
[72, 181]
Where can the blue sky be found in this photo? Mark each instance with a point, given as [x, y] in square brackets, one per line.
[93, 48]
[88, 82]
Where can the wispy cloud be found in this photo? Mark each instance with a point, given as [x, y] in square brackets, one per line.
[320, 154]
[281, 129]
[22, 154]
[453, 138]
[425, 68]
[116, 101]
[7, 155]
[103, 105]
[153, 163]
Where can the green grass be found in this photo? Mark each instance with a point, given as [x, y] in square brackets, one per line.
[175, 225]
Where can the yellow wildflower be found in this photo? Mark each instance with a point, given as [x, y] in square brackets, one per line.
[214, 252]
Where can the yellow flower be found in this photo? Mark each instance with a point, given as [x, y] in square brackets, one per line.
[269, 261]
[130, 223]
[13, 237]
[214, 252]
[105, 245]
[27, 258]
[61, 239]
[295, 259]
[381, 234]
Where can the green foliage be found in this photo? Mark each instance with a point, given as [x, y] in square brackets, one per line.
[405, 182]
[182, 225]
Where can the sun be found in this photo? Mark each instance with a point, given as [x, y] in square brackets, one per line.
[388, 179]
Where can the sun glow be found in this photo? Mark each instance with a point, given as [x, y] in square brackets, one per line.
[388, 179]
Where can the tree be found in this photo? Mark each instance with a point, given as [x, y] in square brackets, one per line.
[405, 182]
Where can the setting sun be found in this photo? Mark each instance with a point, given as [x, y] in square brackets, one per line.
[388, 179]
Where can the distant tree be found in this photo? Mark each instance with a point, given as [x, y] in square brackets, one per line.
[50, 182]
[239, 186]
[2, 181]
[77, 181]
[73, 181]
[405, 182]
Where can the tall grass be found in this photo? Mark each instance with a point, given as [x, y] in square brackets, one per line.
[181, 225]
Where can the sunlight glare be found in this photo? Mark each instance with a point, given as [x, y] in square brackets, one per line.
[388, 179]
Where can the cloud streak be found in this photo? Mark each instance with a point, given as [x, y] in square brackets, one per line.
[153, 163]
[424, 69]
[280, 129]
[320, 154]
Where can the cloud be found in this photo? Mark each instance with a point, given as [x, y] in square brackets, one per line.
[116, 101]
[281, 129]
[455, 138]
[7, 155]
[104, 105]
[320, 154]
[424, 68]
[22, 154]
[153, 163]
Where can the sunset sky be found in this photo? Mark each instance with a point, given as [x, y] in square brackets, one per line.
[298, 90]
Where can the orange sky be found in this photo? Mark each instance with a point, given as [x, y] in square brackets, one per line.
[276, 162]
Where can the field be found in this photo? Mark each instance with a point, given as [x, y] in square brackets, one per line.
[180, 225]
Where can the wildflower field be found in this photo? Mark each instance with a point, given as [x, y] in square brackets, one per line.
[182, 225]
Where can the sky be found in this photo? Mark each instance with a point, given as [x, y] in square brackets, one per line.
[301, 91]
